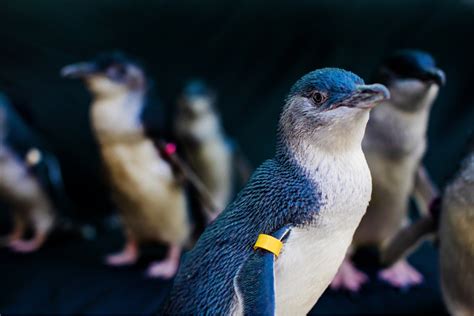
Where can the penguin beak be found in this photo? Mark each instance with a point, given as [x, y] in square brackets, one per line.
[367, 96]
[79, 70]
[432, 75]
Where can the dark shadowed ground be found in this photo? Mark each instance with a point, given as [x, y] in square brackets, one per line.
[67, 276]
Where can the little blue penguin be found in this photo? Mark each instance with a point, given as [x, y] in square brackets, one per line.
[30, 204]
[394, 145]
[209, 151]
[453, 226]
[311, 196]
[150, 200]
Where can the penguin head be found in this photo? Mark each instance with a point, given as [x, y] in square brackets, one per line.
[108, 75]
[329, 103]
[197, 99]
[410, 75]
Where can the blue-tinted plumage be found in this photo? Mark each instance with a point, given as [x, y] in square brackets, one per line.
[256, 279]
[196, 87]
[337, 84]
[288, 192]
[327, 80]
[278, 194]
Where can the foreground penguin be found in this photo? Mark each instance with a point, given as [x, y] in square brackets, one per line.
[308, 199]
[150, 199]
[23, 193]
[207, 148]
[394, 145]
[454, 229]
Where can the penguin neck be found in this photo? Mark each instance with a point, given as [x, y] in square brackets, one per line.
[116, 118]
[399, 129]
[312, 151]
[413, 106]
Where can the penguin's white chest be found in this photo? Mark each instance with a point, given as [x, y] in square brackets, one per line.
[306, 267]
[312, 255]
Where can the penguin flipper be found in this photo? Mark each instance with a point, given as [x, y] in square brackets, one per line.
[424, 191]
[189, 176]
[255, 282]
[407, 240]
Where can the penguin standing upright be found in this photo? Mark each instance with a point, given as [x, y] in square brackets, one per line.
[29, 202]
[308, 200]
[207, 148]
[151, 201]
[452, 222]
[394, 145]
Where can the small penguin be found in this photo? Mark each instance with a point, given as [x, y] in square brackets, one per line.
[453, 226]
[394, 145]
[150, 199]
[208, 150]
[29, 202]
[308, 199]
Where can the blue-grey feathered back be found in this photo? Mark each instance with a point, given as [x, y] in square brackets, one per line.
[279, 193]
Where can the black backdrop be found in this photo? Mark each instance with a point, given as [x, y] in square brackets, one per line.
[251, 52]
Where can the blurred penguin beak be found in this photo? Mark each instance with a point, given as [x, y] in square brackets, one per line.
[79, 70]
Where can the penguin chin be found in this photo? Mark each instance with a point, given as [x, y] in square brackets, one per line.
[342, 122]
[199, 106]
[411, 92]
[345, 114]
[101, 86]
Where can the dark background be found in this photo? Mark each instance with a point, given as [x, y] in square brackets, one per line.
[250, 52]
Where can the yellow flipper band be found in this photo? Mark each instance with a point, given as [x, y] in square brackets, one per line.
[268, 243]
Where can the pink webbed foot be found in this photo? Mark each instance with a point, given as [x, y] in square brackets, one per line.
[25, 246]
[168, 267]
[128, 256]
[348, 277]
[7, 240]
[15, 236]
[401, 275]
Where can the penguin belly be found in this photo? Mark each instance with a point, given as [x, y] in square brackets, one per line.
[312, 255]
[212, 161]
[24, 194]
[392, 184]
[456, 236]
[151, 203]
[306, 266]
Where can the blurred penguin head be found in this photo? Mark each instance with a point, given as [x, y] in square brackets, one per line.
[329, 105]
[108, 75]
[412, 77]
[197, 99]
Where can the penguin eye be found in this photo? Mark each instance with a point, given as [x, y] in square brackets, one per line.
[318, 97]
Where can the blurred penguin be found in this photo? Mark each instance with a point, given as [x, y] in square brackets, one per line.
[150, 198]
[394, 145]
[209, 151]
[23, 193]
[452, 221]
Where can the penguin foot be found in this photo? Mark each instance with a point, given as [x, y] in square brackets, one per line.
[348, 277]
[14, 236]
[163, 269]
[401, 275]
[25, 246]
[168, 267]
[128, 256]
